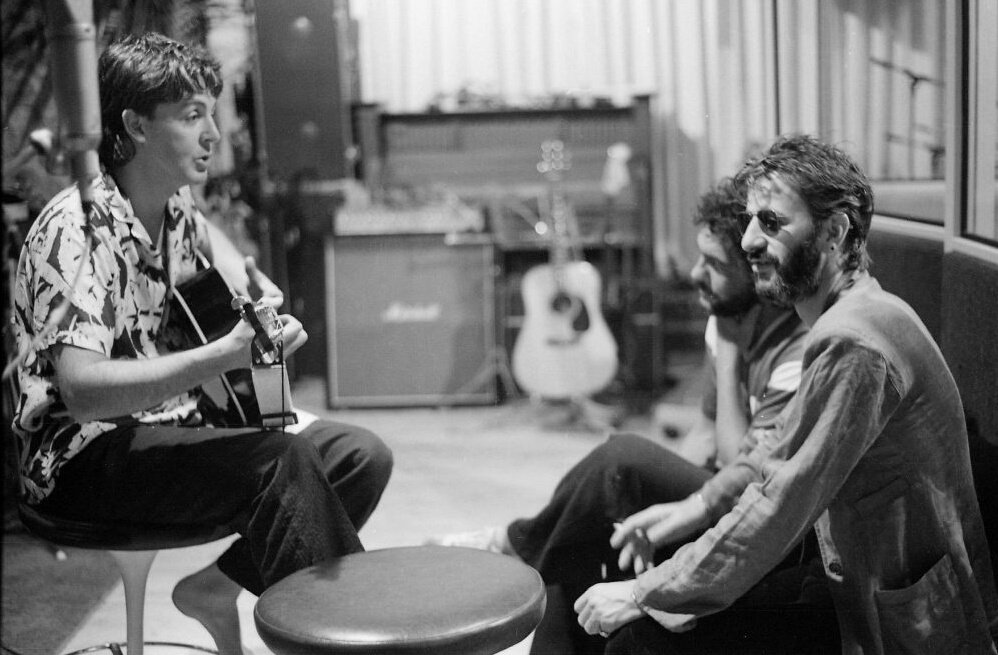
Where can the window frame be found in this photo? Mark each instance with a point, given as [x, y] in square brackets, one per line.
[972, 86]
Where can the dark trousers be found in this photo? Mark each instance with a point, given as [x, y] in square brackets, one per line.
[789, 612]
[296, 500]
[568, 541]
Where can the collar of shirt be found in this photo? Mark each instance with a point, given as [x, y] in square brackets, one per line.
[770, 319]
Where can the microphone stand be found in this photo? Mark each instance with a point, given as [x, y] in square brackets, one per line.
[73, 51]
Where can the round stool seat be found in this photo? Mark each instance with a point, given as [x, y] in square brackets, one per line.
[96, 535]
[419, 599]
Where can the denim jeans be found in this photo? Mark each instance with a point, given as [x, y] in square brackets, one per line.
[296, 500]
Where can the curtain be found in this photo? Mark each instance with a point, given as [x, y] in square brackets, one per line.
[707, 63]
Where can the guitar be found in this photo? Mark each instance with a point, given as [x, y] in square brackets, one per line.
[203, 309]
[565, 349]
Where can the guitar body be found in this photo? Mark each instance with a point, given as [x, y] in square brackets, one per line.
[565, 348]
[201, 311]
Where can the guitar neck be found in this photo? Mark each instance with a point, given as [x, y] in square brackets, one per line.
[561, 248]
[555, 160]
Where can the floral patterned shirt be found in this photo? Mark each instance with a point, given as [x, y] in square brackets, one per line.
[117, 309]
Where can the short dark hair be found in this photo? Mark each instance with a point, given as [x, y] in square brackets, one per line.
[718, 210]
[827, 180]
[140, 72]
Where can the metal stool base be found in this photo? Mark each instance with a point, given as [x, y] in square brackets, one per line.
[120, 648]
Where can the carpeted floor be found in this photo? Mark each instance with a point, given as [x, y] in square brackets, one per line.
[38, 587]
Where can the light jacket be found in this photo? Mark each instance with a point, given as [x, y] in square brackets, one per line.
[873, 453]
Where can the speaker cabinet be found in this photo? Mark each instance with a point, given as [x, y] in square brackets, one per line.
[306, 67]
[304, 84]
[410, 321]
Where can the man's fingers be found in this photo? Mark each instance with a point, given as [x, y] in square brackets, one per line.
[626, 528]
[624, 559]
[639, 564]
[580, 602]
[294, 333]
[657, 531]
[586, 619]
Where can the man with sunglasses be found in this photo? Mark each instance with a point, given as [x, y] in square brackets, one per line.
[752, 370]
[872, 451]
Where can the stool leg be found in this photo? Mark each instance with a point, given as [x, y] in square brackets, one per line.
[134, 567]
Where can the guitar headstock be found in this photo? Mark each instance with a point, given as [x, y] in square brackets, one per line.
[268, 342]
[555, 159]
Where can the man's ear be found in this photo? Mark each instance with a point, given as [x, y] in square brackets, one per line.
[133, 125]
[836, 228]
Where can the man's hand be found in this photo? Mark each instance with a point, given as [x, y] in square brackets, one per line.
[640, 534]
[294, 334]
[293, 337]
[261, 287]
[607, 607]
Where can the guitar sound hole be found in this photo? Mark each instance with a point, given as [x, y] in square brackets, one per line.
[566, 304]
[561, 303]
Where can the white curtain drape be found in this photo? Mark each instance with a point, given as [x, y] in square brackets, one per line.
[727, 76]
[706, 63]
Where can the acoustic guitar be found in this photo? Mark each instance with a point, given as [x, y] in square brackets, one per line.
[203, 309]
[565, 349]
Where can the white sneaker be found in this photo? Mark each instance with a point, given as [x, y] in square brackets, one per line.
[493, 539]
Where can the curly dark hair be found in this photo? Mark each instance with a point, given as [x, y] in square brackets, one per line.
[827, 180]
[140, 72]
[718, 210]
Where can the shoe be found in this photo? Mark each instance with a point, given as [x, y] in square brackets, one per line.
[492, 539]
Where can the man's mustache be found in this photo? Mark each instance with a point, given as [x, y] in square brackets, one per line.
[764, 260]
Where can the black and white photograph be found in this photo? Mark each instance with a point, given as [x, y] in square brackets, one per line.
[517, 327]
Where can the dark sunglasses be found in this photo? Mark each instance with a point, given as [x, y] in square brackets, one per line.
[769, 221]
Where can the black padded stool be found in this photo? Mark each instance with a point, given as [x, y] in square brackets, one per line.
[419, 599]
[133, 547]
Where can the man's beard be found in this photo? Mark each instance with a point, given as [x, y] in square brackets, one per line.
[793, 280]
[733, 306]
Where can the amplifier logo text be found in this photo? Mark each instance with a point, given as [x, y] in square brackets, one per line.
[402, 312]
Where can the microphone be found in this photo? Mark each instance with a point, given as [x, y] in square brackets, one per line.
[73, 40]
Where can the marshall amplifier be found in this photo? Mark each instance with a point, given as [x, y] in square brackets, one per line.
[409, 321]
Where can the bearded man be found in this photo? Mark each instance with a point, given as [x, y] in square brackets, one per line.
[871, 453]
[752, 370]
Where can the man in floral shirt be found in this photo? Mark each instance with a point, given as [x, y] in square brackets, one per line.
[108, 417]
